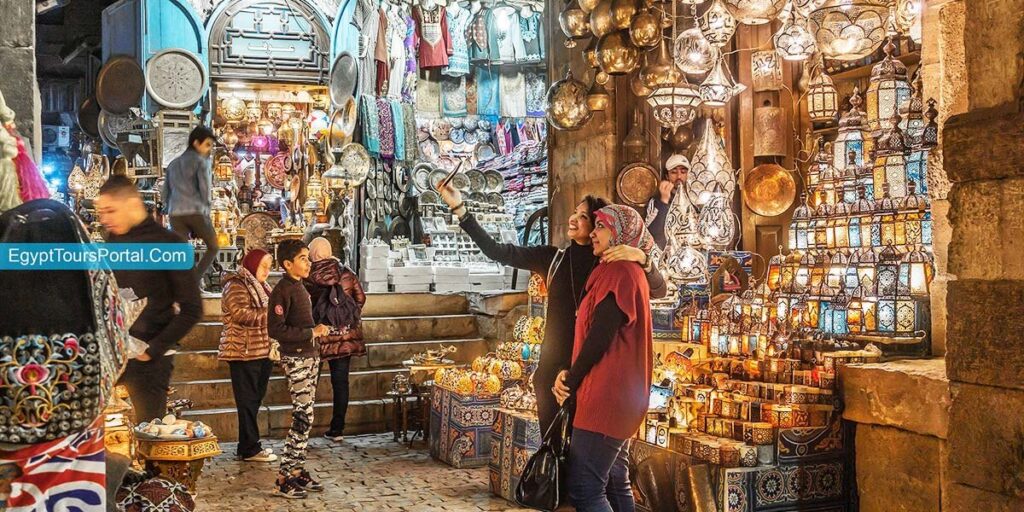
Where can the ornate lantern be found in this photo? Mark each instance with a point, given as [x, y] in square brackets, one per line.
[916, 272]
[888, 90]
[891, 160]
[645, 28]
[837, 265]
[838, 307]
[848, 181]
[789, 271]
[574, 23]
[766, 70]
[853, 135]
[839, 225]
[567, 105]
[821, 176]
[820, 269]
[819, 223]
[802, 278]
[867, 320]
[867, 267]
[224, 171]
[719, 87]
[913, 209]
[616, 53]
[805, 7]
[717, 24]
[710, 165]
[907, 18]
[930, 135]
[887, 288]
[822, 99]
[798, 227]
[659, 70]
[883, 222]
[850, 278]
[794, 41]
[849, 29]
[755, 12]
[598, 97]
[774, 275]
[861, 212]
[675, 106]
[717, 222]
[693, 53]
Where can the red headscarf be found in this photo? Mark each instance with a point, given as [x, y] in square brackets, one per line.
[252, 260]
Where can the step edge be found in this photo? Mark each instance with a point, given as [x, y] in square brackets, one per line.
[375, 343]
[273, 408]
[278, 376]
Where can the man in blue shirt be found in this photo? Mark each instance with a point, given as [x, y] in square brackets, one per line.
[186, 194]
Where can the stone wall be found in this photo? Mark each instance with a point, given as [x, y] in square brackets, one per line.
[18, 62]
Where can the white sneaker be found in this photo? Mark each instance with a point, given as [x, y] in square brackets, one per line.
[335, 438]
[264, 456]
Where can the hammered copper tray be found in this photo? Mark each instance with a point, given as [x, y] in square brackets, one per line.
[637, 183]
[769, 190]
[120, 84]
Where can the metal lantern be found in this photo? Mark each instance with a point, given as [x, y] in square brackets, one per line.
[839, 226]
[710, 165]
[802, 278]
[755, 12]
[891, 160]
[253, 111]
[794, 41]
[912, 111]
[850, 279]
[567, 104]
[867, 267]
[849, 29]
[849, 179]
[766, 70]
[861, 310]
[861, 212]
[853, 135]
[224, 171]
[798, 227]
[659, 70]
[906, 15]
[717, 24]
[837, 265]
[822, 99]
[930, 134]
[888, 90]
[675, 106]
[717, 222]
[916, 273]
[886, 288]
[835, 323]
[789, 270]
[719, 87]
[912, 211]
[574, 23]
[821, 167]
[883, 222]
[805, 7]
[616, 53]
[645, 29]
[819, 226]
[693, 53]
[598, 97]
[601, 19]
[774, 274]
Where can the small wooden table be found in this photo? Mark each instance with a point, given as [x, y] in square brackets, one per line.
[180, 461]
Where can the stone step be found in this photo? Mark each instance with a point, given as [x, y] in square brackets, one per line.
[206, 335]
[217, 393]
[193, 365]
[380, 304]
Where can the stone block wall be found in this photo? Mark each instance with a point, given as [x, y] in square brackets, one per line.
[18, 62]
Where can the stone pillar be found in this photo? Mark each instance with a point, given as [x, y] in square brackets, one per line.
[983, 156]
[18, 62]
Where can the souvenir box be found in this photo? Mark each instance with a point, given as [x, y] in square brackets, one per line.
[514, 438]
[823, 486]
[460, 428]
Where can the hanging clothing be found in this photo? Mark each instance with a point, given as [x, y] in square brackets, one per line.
[367, 23]
[477, 35]
[459, 19]
[371, 124]
[531, 29]
[513, 94]
[536, 94]
[409, 118]
[396, 52]
[488, 91]
[387, 129]
[504, 37]
[399, 118]
[453, 97]
[428, 96]
[411, 68]
[380, 54]
[434, 43]
[471, 96]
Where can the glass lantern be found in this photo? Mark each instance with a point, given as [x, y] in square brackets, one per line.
[837, 265]
[839, 225]
[838, 308]
[860, 311]
[802, 278]
[224, 171]
[789, 270]
[717, 24]
[859, 225]
[853, 135]
[888, 90]
[891, 160]
[822, 98]
[850, 278]
[719, 87]
[766, 70]
[887, 279]
[794, 41]
[849, 30]
[883, 222]
[774, 275]
[867, 267]
[717, 222]
[711, 166]
[916, 272]
[819, 270]
[755, 12]
[675, 106]
[819, 221]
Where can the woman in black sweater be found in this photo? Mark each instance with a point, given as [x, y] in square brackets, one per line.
[565, 272]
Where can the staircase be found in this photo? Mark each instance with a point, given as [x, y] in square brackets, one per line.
[396, 326]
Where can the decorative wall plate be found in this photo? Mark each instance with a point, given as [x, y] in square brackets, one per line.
[176, 78]
[769, 190]
[440, 129]
[110, 125]
[257, 227]
[637, 183]
[429, 150]
[496, 199]
[344, 77]
[371, 189]
[421, 176]
[436, 176]
[461, 182]
[355, 159]
[458, 135]
[88, 117]
[430, 197]
[477, 181]
[471, 137]
[477, 197]
[484, 152]
[120, 84]
[369, 209]
[276, 171]
[400, 177]
[494, 181]
[382, 209]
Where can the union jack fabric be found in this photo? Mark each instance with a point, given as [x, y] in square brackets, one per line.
[68, 475]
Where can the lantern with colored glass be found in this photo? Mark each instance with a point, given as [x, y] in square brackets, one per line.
[818, 309]
[803, 272]
[839, 225]
[797, 312]
[839, 306]
[853, 135]
[717, 24]
[883, 222]
[799, 225]
[887, 289]
[819, 222]
[773, 279]
[687, 320]
[821, 175]
[910, 214]
[888, 90]
[861, 212]
[819, 270]
[867, 267]
[788, 270]
[849, 29]
[224, 171]
[916, 272]
[822, 99]
[855, 312]
[837, 266]
[758, 311]
[850, 277]
[891, 160]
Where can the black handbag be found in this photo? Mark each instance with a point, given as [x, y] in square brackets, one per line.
[542, 485]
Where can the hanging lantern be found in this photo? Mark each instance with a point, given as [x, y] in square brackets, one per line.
[853, 135]
[230, 137]
[766, 71]
[839, 226]
[601, 20]
[861, 212]
[883, 221]
[574, 23]
[769, 131]
[916, 273]
[798, 227]
[686, 265]
[755, 12]
[794, 41]
[253, 111]
[888, 90]
[234, 109]
[717, 222]
[819, 171]
[789, 270]
[598, 97]
[616, 54]
[906, 14]
[567, 105]
[274, 110]
[675, 106]
[590, 53]
[265, 126]
[623, 12]
[849, 29]
[912, 210]
[681, 221]
[717, 24]
[224, 171]
[645, 29]
[588, 6]
[891, 161]
[711, 165]
[774, 274]
[693, 53]
[659, 70]
[822, 99]
[719, 87]
[635, 144]
[804, 7]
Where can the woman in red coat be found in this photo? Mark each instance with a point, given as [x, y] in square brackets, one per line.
[611, 367]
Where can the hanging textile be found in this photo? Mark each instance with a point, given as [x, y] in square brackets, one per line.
[453, 97]
[380, 55]
[536, 94]
[477, 35]
[459, 19]
[411, 68]
[513, 94]
[504, 37]
[428, 96]
[387, 129]
[371, 124]
[398, 116]
[487, 91]
[29, 183]
[367, 23]
[531, 29]
[409, 117]
[434, 41]
[471, 96]
[396, 51]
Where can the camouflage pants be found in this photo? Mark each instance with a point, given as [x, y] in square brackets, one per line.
[301, 373]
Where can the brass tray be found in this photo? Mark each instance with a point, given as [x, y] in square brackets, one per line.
[637, 183]
[769, 190]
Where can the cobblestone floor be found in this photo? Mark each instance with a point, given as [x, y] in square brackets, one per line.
[364, 473]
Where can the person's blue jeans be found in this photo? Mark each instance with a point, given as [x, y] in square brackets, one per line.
[598, 473]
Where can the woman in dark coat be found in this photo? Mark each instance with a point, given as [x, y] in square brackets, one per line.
[330, 280]
[565, 272]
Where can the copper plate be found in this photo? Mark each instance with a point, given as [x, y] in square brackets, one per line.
[769, 190]
[257, 227]
[89, 117]
[120, 84]
[637, 183]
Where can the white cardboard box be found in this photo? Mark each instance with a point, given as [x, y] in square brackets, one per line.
[373, 263]
[373, 274]
[452, 288]
[410, 280]
[411, 288]
[451, 271]
[375, 287]
[411, 271]
[374, 251]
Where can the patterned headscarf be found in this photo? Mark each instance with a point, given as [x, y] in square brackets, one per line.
[627, 227]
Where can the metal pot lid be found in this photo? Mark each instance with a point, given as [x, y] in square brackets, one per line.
[344, 77]
[176, 78]
[112, 124]
[89, 117]
[496, 199]
[461, 182]
[371, 189]
[421, 176]
[400, 177]
[399, 227]
[637, 183]
[120, 84]
[477, 181]
[494, 181]
[436, 176]
[430, 197]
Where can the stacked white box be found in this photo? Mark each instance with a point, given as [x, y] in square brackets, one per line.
[487, 282]
[373, 268]
[451, 279]
[410, 278]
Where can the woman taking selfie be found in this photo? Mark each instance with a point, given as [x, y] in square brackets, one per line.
[611, 367]
[565, 272]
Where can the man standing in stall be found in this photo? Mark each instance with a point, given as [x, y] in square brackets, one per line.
[676, 169]
[186, 195]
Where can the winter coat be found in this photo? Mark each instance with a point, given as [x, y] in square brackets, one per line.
[244, 304]
[344, 341]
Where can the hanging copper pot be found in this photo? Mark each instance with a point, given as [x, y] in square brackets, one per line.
[598, 97]
[638, 87]
[601, 20]
[590, 53]
[567, 104]
[616, 54]
[660, 70]
[623, 12]
[645, 29]
[573, 21]
[678, 139]
[588, 6]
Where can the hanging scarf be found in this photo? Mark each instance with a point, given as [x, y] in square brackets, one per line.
[408, 115]
[32, 184]
[387, 129]
[399, 121]
[371, 125]
[9, 195]
[627, 227]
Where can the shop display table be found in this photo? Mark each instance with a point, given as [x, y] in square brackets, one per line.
[515, 437]
[410, 413]
[180, 461]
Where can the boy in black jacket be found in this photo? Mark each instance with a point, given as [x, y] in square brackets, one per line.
[290, 322]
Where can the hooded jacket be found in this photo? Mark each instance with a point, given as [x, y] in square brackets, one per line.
[244, 308]
[344, 341]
